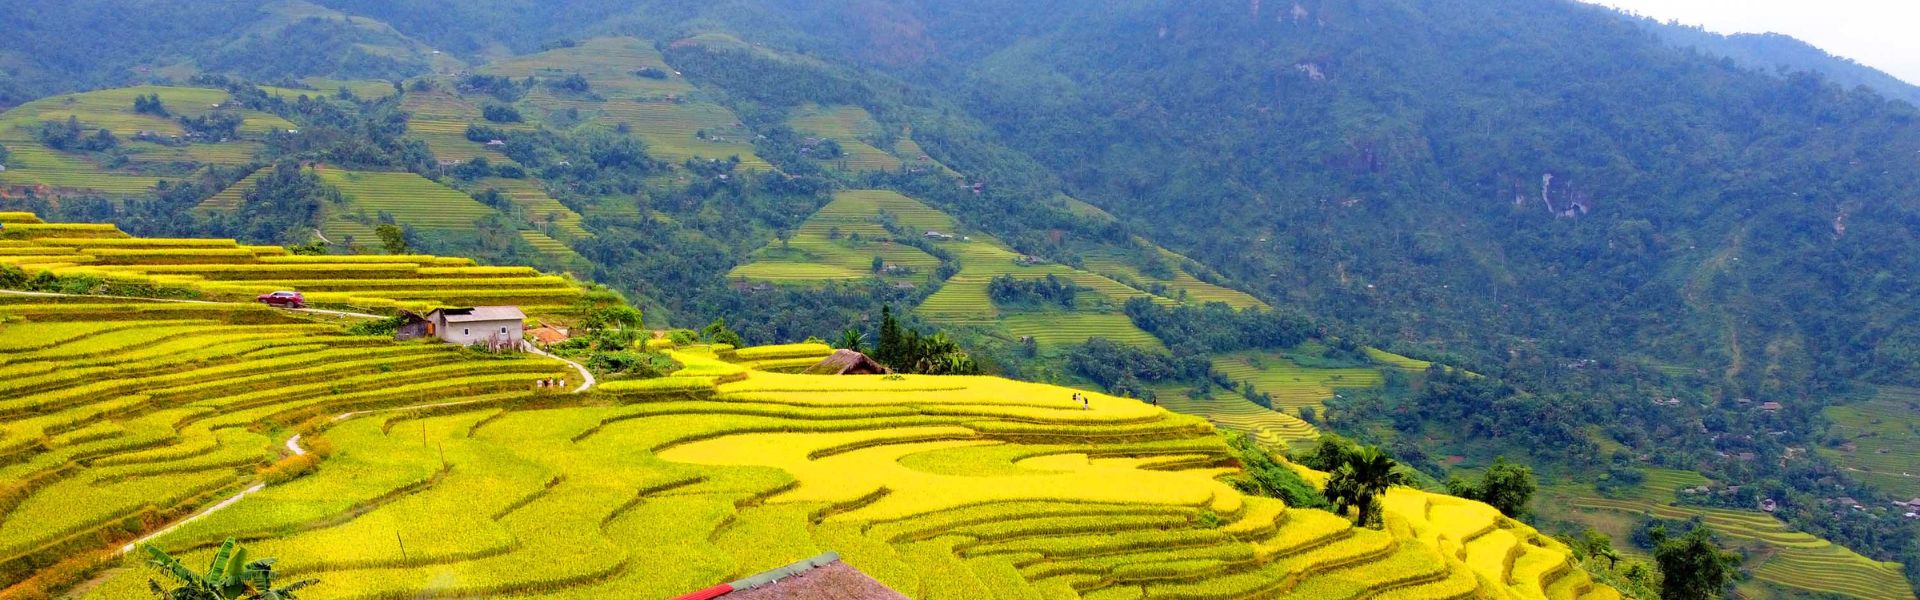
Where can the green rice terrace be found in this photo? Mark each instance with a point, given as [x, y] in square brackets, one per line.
[405, 469]
[153, 146]
[857, 133]
[1779, 555]
[631, 85]
[1883, 443]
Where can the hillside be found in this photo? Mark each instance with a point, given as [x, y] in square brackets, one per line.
[1456, 230]
[942, 487]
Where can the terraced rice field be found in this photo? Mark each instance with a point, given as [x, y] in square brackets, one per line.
[940, 487]
[442, 475]
[411, 199]
[549, 246]
[1195, 290]
[850, 126]
[1063, 329]
[1788, 558]
[815, 253]
[1232, 411]
[228, 271]
[328, 87]
[671, 128]
[34, 165]
[548, 214]
[440, 118]
[232, 197]
[666, 114]
[1885, 432]
[1293, 386]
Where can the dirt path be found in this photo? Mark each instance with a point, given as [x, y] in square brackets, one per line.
[586, 377]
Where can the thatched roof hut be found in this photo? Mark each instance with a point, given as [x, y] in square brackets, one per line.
[847, 362]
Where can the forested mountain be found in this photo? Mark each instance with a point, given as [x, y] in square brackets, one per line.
[1775, 52]
[1632, 235]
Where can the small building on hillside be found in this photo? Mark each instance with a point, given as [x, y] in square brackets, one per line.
[496, 327]
[412, 326]
[847, 362]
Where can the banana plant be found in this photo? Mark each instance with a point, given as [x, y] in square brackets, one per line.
[229, 576]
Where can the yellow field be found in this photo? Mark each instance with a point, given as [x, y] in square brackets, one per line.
[225, 270]
[439, 473]
[940, 487]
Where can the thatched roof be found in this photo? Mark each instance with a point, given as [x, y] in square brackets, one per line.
[847, 362]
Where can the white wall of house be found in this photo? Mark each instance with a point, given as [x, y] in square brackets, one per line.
[480, 332]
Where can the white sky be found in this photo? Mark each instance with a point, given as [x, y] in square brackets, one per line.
[1883, 34]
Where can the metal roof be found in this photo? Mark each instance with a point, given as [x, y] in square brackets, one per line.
[482, 313]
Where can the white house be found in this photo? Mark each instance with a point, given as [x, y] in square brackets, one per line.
[497, 327]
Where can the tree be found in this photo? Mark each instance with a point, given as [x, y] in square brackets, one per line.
[717, 332]
[852, 339]
[1331, 452]
[1360, 482]
[1692, 567]
[1507, 486]
[1266, 476]
[393, 238]
[1599, 545]
[229, 576]
[878, 264]
[619, 316]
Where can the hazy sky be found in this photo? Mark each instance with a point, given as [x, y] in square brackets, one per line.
[1884, 34]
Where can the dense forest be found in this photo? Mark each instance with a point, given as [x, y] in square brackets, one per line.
[1577, 210]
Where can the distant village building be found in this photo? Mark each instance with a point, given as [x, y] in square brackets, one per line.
[1770, 406]
[935, 235]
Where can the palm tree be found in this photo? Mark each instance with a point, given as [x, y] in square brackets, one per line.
[1361, 481]
[229, 576]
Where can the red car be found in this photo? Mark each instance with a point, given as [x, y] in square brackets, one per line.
[284, 299]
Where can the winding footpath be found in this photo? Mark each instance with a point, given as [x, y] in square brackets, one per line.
[587, 381]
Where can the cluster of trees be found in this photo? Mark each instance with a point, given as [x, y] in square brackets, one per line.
[216, 125]
[905, 350]
[68, 136]
[1217, 327]
[501, 87]
[1127, 371]
[1008, 290]
[500, 113]
[1506, 486]
[149, 104]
